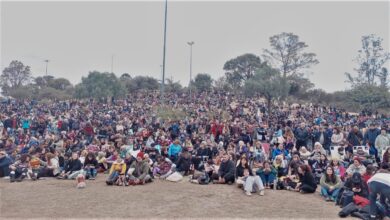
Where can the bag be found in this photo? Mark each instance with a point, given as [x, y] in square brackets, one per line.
[204, 179]
[360, 201]
[346, 198]
[175, 177]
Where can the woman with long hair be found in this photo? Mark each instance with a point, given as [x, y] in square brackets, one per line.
[307, 183]
[330, 184]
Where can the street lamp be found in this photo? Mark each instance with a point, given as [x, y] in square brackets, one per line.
[165, 42]
[47, 63]
[190, 44]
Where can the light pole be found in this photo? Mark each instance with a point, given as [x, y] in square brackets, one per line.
[190, 43]
[112, 63]
[47, 63]
[164, 50]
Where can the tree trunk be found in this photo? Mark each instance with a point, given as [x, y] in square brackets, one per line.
[269, 105]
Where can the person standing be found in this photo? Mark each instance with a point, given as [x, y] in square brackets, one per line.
[379, 185]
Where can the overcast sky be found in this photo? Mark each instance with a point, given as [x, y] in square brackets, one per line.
[78, 37]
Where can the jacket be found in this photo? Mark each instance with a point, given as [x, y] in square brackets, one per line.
[141, 169]
[226, 168]
[370, 136]
[119, 167]
[327, 185]
[308, 179]
[353, 169]
[174, 150]
[73, 165]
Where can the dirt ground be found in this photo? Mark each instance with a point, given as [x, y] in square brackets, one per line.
[51, 198]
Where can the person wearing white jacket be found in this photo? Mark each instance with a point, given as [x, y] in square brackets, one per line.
[379, 184]
[382, 142]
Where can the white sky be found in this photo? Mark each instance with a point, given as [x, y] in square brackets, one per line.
[78, 37]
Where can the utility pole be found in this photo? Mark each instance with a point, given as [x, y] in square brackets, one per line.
[190, 43]
[164, 50]
[47, 63]
[112, 63]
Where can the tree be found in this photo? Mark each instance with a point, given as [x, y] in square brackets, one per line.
[125, 76]
[59, 83]
[298, 85]
[99, 85]
[287, 54]
[15, 75]
[142, 83]
[371, 59]
[171, 86]
[202, 82]
[268, 83]
[222, 84]
[241, 68]
[369, 97]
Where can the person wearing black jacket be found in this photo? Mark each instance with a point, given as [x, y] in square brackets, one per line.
[183, 164]
[307, 183]
[73, 168]
[226, 171]
[203, 153]
[90, 166]
[357, 185]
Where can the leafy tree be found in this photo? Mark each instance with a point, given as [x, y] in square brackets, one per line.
[369, 97]
[298, 85]
[171, 86]
[268, 83]
[15, 75]
[222, 84]
[125, 76]
[203, 82]
[99, 85]
[142, 83]
[371, 59]
[287, 54]
[59, 83]
[241, 68]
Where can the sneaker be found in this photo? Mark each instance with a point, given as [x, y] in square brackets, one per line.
[248, 193]
[92, 178]
[261, 192]
[6, 177]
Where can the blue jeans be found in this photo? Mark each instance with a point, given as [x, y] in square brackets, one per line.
[91, 172]
[267, 178]
[327, 193]
[377, 188]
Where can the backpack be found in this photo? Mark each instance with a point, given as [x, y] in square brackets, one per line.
[345, 198]
[204, 179]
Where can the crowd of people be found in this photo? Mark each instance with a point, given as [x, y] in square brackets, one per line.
[222, 139]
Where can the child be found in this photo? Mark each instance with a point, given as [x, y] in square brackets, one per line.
[117, 173]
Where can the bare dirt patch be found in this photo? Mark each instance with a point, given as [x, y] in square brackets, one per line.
[51, 198]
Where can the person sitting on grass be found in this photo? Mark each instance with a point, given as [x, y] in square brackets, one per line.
[330, 184]
[356, 167]
[138, 173]
[307, 183]
[117, 173]
[252, 183]
[90, 166]
[20, 168]
[73, 168]
[162, 167]
[51, 167]
[5, 162]
[268, 174]
[226, 171]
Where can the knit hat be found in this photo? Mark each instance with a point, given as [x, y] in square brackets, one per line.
[140, 154]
